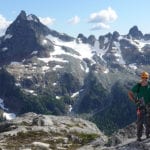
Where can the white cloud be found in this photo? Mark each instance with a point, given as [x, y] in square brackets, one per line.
[74, 20]
[100, 26]
[102, 19]
[3, 25]
[47, 20]
[105, 16]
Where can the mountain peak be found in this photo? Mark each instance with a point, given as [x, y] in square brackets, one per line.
[22, 15]
[30, 23]
[135, 32]
[82, 38]
[27, 34]
[115, 35]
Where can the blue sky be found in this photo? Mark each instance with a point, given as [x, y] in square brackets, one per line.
[96, 17]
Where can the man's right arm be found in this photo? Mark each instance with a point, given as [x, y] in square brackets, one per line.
[133, 92]
[131, 96]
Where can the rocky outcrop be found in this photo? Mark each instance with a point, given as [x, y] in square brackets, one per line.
[82, 38]
[50, 132]
[124, 139]
[135, 33]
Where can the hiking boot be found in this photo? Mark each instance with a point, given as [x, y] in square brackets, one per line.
[139, 139]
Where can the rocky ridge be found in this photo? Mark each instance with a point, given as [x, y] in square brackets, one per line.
[47, 132]
[33, 131]
[124, 139]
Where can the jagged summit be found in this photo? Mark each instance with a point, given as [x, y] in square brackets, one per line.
[135, 33]
[30, 22]
[24, 36]
[22, 15]
[115, 35]
[82, 38]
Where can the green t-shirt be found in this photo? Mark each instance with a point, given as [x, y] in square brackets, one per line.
[142, 91]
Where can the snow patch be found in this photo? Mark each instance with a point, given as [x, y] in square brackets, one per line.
[139, 44]
[58, 97]
[30, 91]
[34, 52]
[54, 84]
[57, 66]
[15, 63]
[2, 105]
[106, 40]
[18, 84]
[8, 36]
[45, 68]
[75, 94]
[70, 108]
[44, 42]
[100, 52]
[85, 67]
[133, 66]
[106, 70]
[41, 145]
[118, 53]
[8, 116]
[4, 49]
[85, 50]
[54, 56]
[30, 18]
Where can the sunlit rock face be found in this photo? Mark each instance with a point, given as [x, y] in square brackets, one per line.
[46, 131]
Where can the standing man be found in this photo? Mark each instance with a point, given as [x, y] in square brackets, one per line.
[140, 95]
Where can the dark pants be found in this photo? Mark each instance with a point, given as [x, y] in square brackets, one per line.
[143, 118]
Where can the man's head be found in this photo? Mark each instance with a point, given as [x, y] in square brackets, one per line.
[144, 75]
